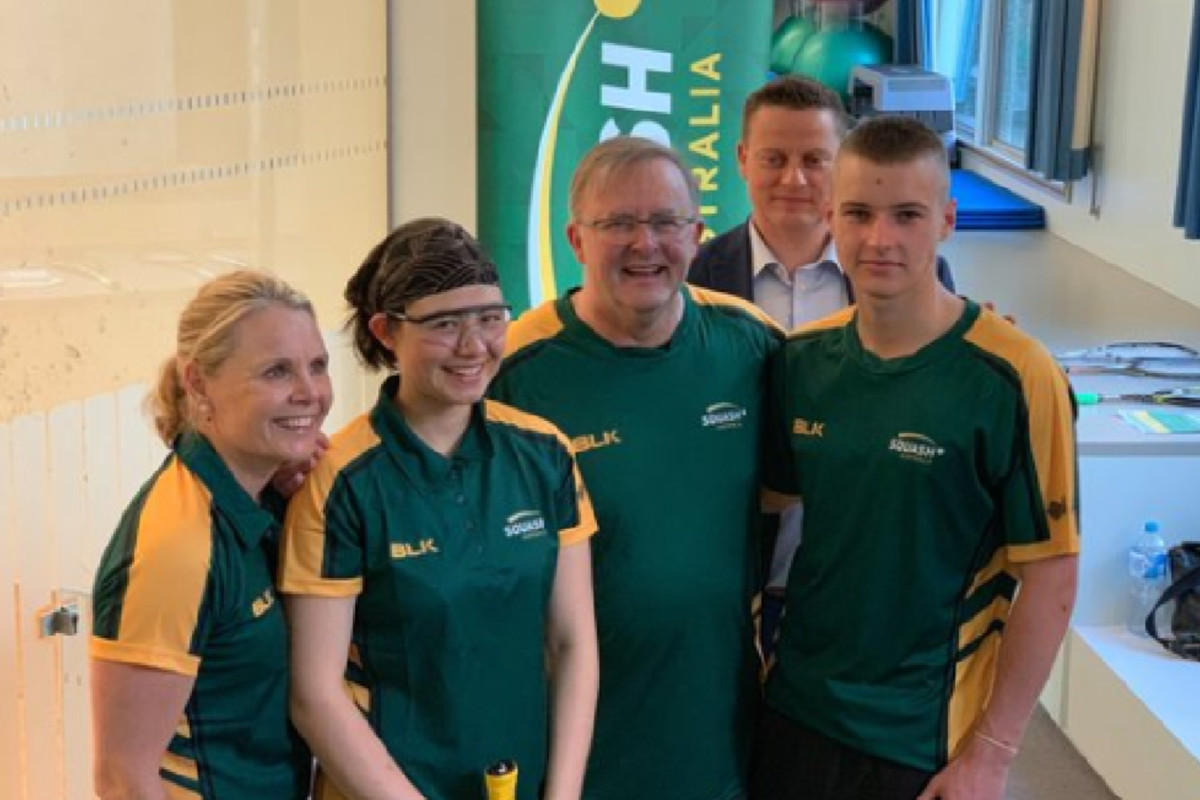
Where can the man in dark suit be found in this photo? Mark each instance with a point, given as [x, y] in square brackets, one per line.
[782, 258]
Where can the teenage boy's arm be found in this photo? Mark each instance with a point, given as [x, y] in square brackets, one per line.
[1048, 575]
[1032, 636]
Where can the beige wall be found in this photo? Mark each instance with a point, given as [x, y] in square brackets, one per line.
[1143, 56]
[433, 110]
[144, 147]
[147, 145]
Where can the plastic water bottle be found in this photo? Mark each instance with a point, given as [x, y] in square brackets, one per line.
[1147, 579]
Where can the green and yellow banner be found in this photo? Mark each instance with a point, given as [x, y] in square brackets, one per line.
[558, 76]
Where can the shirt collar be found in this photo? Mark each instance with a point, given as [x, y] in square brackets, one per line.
[761, 256]
[415, 458]
[584, 335]
[249, 520]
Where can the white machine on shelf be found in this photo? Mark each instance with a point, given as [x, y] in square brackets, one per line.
[902, 89]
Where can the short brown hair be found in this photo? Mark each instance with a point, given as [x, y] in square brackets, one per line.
[615, 155]
[796, 93]
[893, 139]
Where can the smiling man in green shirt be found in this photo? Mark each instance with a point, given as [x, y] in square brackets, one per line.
[660, 387]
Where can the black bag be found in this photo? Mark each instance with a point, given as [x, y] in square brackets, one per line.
[1184, 592]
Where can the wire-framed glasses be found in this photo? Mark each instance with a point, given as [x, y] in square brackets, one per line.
[623, 228]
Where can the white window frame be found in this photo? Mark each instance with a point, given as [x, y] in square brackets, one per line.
[980, 140]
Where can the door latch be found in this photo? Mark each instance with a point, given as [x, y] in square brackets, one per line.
[60, 621]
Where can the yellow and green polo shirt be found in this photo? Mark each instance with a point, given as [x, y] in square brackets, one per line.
[925, 480]
[451, 561]
[669, 444]
[185, 586]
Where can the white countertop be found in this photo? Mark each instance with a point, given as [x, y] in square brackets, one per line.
[1167, 684]
[1070, 299]
[1101, 432]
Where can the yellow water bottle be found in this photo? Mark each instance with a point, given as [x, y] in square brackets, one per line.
[500, 781]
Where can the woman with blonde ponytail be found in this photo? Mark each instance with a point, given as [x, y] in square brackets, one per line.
[189, 647]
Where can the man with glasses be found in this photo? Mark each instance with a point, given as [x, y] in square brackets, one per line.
[783, 258]
[660, 387]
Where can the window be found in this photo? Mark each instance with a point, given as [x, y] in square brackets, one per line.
[1012, 84]
[985, 47]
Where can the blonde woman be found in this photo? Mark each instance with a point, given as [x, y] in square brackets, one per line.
[189, 647]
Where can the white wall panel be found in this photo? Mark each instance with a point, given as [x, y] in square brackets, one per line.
[102, 498]
[68, 488]
[134, 463]
[102, 501]
[68, 518]
[37, 578]
[11, 755]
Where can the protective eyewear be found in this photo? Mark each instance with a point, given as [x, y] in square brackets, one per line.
[448, 328]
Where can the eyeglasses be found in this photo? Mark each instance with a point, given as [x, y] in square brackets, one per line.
[623, 228]
[448, 328]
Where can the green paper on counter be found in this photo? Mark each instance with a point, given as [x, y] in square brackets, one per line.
[1148, 421]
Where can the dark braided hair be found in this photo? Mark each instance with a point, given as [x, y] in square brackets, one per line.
[420, 258]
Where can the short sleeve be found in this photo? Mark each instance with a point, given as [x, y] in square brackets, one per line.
[322, 549]
[779, 467]
[574, 504]
[153, 596]
[1040, 499]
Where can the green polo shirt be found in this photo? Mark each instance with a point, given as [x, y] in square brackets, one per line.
[185, 586]
[925, 480]
[452, 561]
[668, 441]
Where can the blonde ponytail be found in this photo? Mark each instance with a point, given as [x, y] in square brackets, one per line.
[206, 337]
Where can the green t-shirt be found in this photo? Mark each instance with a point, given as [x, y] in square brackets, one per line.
[669, 444]
[185, 586]
[924, 480]
[452, 562]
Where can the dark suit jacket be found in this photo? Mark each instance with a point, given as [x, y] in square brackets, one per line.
[723, 263]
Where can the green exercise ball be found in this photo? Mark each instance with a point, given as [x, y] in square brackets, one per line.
[830, 55]
[788, 40]
[867, 6]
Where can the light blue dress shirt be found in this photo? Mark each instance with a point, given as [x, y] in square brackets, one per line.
[808, 293]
